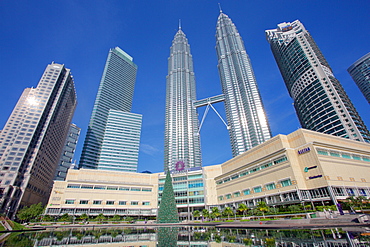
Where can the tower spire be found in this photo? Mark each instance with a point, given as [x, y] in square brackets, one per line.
[219, 6]
[179, 24]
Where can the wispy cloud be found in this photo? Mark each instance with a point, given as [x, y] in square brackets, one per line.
[149, 149]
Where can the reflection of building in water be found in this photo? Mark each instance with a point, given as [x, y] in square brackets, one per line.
[302, 167]
[193, 236]
[101, 237]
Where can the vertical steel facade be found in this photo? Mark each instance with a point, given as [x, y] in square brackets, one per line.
[247, 122]
[182, 142]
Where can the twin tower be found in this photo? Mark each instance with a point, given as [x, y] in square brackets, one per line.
[246, 119]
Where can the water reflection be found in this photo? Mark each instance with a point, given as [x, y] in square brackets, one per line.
[190, 236]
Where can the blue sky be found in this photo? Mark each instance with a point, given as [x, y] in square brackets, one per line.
[80, 33]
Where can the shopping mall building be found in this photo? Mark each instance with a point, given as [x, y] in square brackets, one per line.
[302, 167]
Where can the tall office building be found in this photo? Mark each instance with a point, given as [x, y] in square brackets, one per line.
[320, 101]
[360, 72]
[33, 138]
[247, 122]
[182, 142]
[68, 152]
[113, 135]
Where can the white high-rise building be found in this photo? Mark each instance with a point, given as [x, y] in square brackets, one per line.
[33, 138]
[182, 142]
[247, 122]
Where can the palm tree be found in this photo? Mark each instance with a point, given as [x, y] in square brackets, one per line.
[227, 211]
[215, 213]
[262, 207]
[243, 208]
[205, 213]
[100, 217]
[84, 217]
[196, 214]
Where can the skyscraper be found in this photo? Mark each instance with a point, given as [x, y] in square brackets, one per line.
[319, 99]
[182, 142]
[106, 146]
[360, 72]
[247, 122]
[68, 152]
[33, 138]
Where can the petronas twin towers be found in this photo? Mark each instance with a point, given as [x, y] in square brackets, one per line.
[246, 119]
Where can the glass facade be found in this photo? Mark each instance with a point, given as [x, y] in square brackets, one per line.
[182, 142]
[360, 72]
[247, 122]
[113, 133]
[68, 152]
[320, 101]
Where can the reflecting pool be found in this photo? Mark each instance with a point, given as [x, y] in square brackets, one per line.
[189, 236]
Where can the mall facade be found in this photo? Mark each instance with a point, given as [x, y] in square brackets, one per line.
[304, 167]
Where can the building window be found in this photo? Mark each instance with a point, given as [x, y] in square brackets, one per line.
[286, 182]
[270, 186]
[236, 194]
[146, 189]
[109, 203]
[246, 192]
[134, 203]
[124, 188]
[257, 189]
[70, 201]
[122, 203]
[87, 186]
[146, 203]
[97, 202]
[135, 189]
[228, 196]
[112, 188]
[220, 198]
[96, 187]
[73, 186]
[84, 201]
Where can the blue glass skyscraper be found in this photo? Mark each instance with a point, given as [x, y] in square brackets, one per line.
[320, 101]
[360, 72]
[105, 147]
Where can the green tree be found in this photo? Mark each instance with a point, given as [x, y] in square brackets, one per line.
[262, 207]
[65, 217]
[34, 211]
[100, 217]
[227, 212]
[196, 214]
[215, 213]
[84, 217]
[167, 212]
[242, 208]
[116, 217]
[205, 213]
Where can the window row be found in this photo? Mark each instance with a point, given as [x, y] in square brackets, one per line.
[107, 202]
[257, 189]
[103, 187]
[342, 154]
[254, 169]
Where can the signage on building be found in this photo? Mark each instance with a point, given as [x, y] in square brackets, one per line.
[304, 150]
